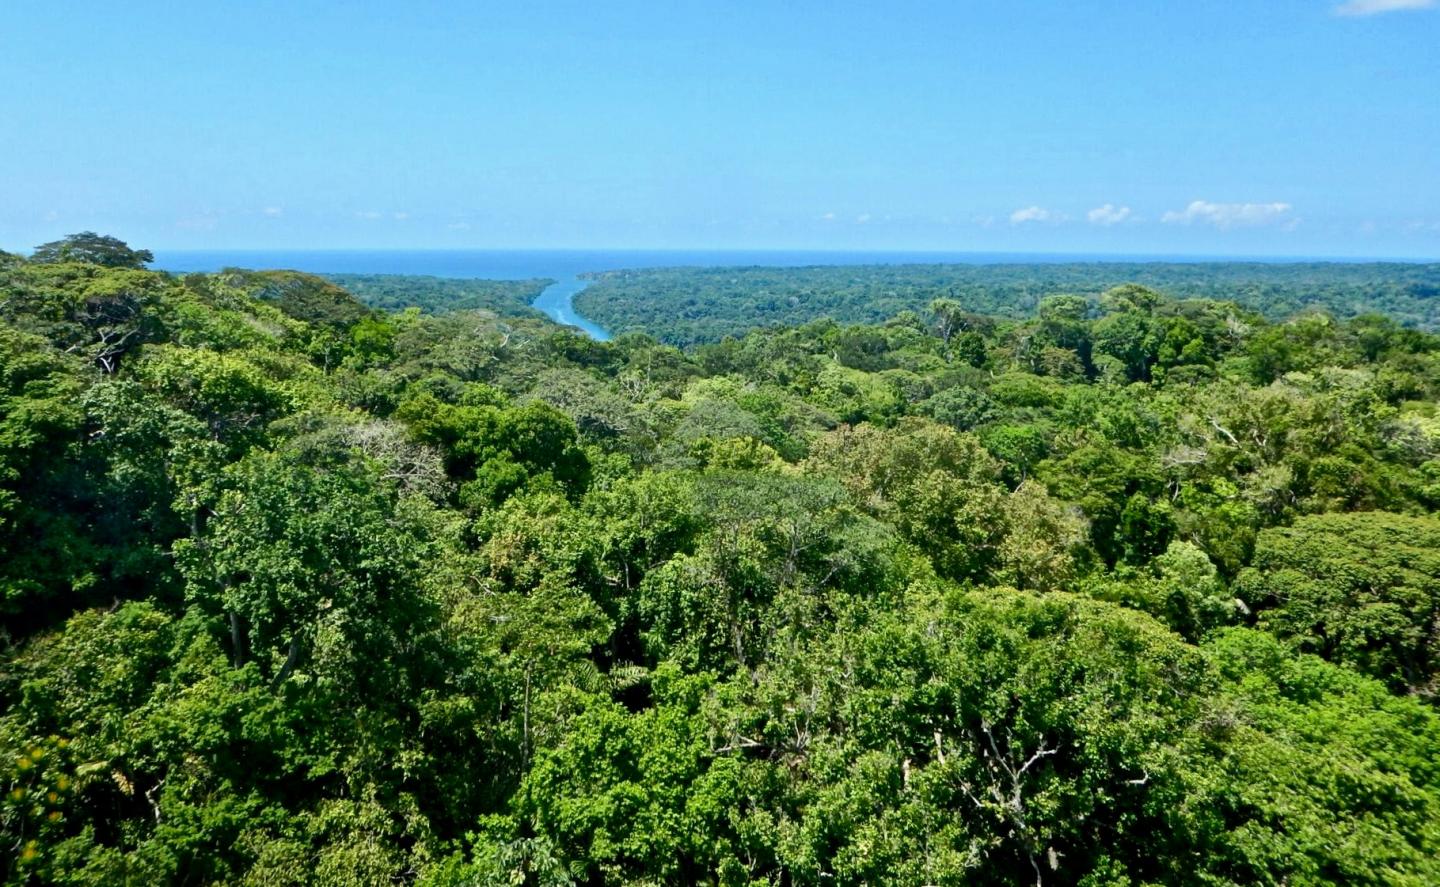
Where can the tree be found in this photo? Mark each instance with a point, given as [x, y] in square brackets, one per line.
[1284, 734]
[940, 489]
[1182, 588]
[1128, 337]
[315, 569]
[628, 795]
[1131, 297]
[230, 394]
[984, 737]
[117, 315]
[493, 451]
[1361, 590]
[949, 318]
[92, 249]
[1041, 540]
[779, 550]
[962, 407]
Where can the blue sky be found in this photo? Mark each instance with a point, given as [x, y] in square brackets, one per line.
[1288, 127]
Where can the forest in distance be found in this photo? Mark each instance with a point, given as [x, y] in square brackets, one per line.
[1111, 575]
[686, 306]
[437, 295]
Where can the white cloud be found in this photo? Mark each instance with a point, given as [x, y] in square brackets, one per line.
[862, 218]
[273, 212]
[828, 217]
[459, 226]
[1231, 215]
[368, 214]
[1108, 215]
[1033, 214]
[400, 217]
[1355, 8]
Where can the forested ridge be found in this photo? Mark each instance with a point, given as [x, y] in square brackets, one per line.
[436, 295]
[685, 306]
[1130, 589]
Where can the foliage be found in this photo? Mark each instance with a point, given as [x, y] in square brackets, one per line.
[93, 249]
[1359, 589]
[439, 295]
[685, 306]
[1094, 586]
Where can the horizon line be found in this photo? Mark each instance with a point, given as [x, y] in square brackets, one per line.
[1090, 256]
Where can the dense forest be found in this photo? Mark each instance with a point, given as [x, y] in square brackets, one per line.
[433, 295]
[685, 306]
[1131, 588]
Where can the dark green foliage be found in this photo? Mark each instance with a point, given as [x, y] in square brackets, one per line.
[494, 450]
[437, 295]
[1107, 589]
[305, 297]
[961, 407]
[92, 249]
[686, 306]
[1297, 735]
[1361, 590]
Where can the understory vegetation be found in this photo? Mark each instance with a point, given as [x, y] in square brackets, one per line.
[1127, 589]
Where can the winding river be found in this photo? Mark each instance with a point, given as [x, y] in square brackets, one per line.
[565, 266]
[558, 301]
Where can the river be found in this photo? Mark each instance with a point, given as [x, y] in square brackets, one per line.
[558, 301]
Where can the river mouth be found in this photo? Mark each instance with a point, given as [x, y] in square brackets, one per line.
[558, 302]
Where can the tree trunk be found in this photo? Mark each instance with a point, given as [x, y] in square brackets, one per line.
[291, 658]
[237, 639]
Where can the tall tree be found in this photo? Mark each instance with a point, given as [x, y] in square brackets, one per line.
[92, 249]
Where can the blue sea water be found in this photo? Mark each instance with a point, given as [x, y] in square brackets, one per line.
[565, 266]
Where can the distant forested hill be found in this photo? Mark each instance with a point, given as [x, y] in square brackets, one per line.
[685, 306]
[437, 295]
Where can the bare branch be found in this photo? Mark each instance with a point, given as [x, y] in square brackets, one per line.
[741, 742]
